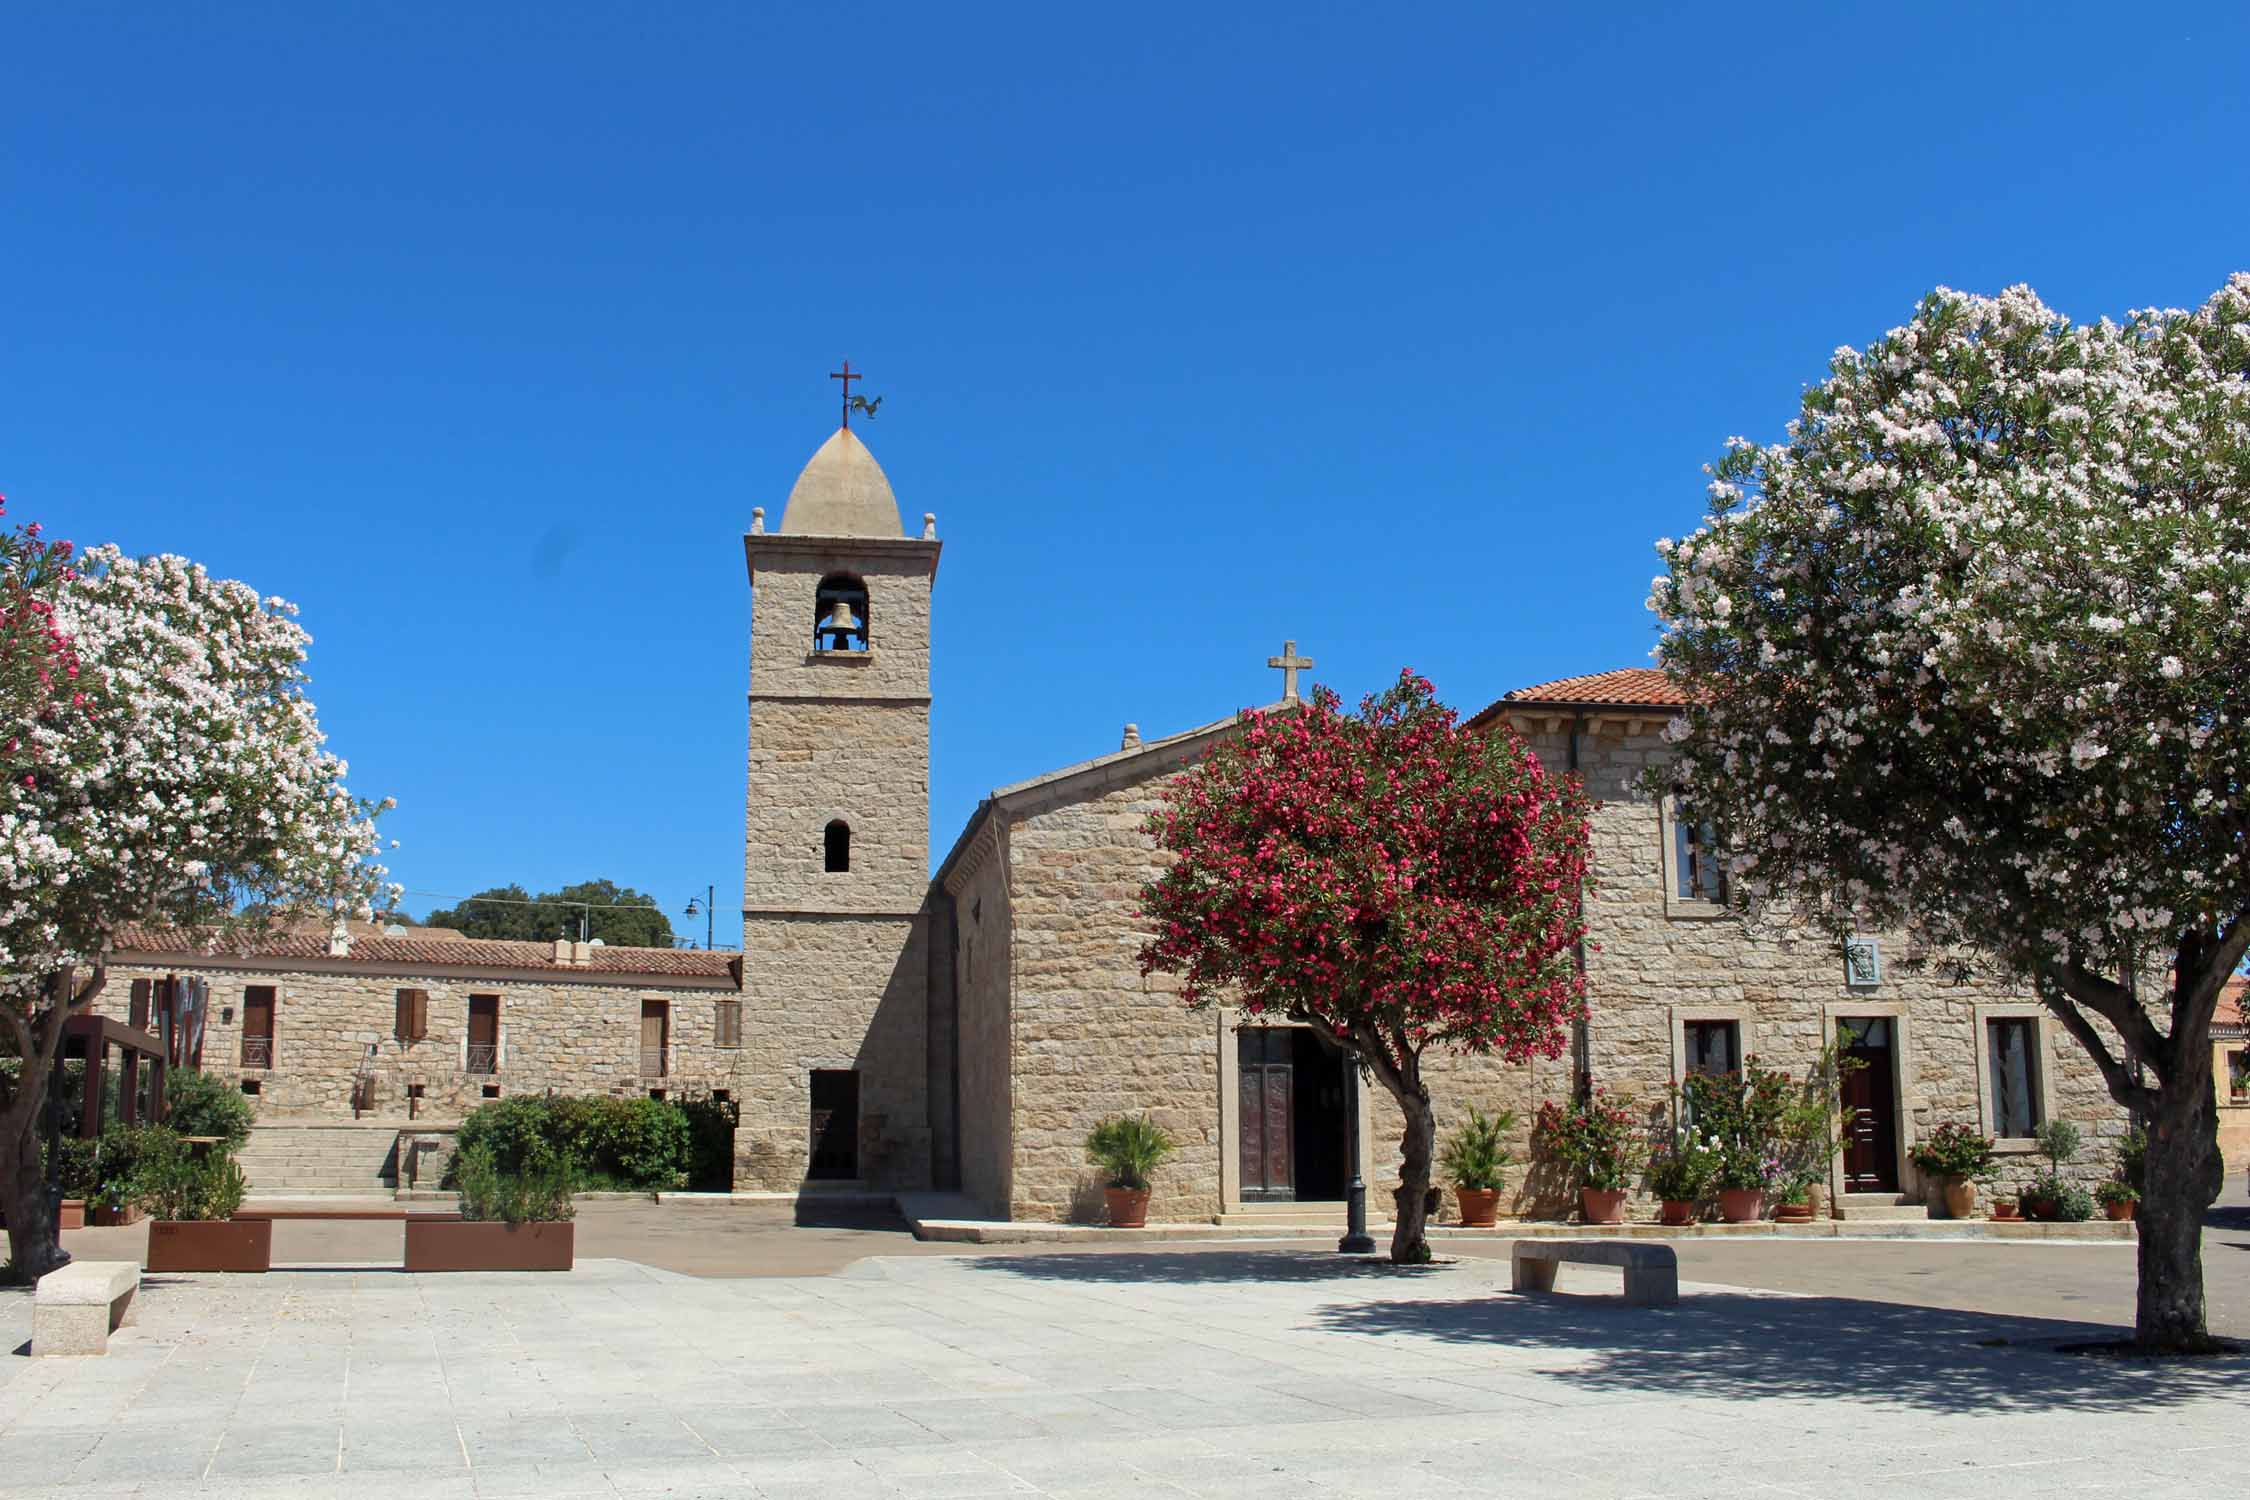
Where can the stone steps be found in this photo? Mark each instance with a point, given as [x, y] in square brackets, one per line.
[285, 1157]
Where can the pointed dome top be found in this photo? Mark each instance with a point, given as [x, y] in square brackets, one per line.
[842, 492]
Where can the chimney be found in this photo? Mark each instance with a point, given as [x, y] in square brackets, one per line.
[1132, 739]
[562, 950]
[339, 940]
[581, 955]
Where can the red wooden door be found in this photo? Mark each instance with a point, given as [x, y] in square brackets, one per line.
[257, 1026]
[484, 1034]
[1870, 1093]
[1268, 1113]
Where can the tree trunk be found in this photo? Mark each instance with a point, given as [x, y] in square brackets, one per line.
[1410, 1245]
[2182, 1175]
[34, 1246]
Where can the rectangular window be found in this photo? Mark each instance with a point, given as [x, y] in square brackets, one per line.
[1697, 873]
[257, 1025]
[412, 1022]
[484, 1035]
[726, 1025]
[656, 1038]
[2012, 1044]
[2238, 1074]
[1712, 1047]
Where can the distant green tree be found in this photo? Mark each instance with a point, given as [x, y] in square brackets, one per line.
[617, 914]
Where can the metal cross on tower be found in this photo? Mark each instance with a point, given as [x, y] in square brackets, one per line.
[847, 375]
[1289, 663]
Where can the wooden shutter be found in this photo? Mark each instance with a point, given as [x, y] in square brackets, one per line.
[421, 1015]
[727, 1027]
[402, 1016]
[137, 1015]
[413, 1020]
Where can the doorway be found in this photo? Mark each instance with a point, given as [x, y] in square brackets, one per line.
[1871, 1093]
[1292, 1125]
[835, 1125]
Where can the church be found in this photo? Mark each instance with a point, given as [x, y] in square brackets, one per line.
[886, 1030]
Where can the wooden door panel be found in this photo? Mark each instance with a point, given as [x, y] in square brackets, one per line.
[1279, 1178]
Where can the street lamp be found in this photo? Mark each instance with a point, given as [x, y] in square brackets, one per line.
[1356, 1240]
[709, 907]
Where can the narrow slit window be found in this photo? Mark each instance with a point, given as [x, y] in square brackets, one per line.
[838, 850]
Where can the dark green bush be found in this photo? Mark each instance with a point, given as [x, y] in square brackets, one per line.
[711, 1124]
[538, 1193]
[198, 1103]
[185, 1185]
[599, 1143]
[81, 1167]
[125, 1152]
[516, 1133]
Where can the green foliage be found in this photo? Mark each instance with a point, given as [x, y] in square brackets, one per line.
[2115, 1191]
[596, 1142]
[1813, 1122]
[123, 1152]
[2132, 1157]
[2051, 1198]
[711, 1124]
[500, 912]
[1683, 1169]
[1955, 1150]
[2058, 1142]
[188, 1184]
[1129, 1148]
[81, 1166]
[1742, 1115]
[199, 1103]
[1597, 1137]
[538, 1193]
[1476, 1155]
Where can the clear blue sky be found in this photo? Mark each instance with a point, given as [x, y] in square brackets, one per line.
[479, 330]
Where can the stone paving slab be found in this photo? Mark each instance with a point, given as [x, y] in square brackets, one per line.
[1272, 1373]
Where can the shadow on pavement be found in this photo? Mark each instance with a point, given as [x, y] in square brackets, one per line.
[1193, 1266]
[1743, 1347]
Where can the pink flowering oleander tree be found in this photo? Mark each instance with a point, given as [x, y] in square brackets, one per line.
[1390, 879]
[162, 764]
[1969, 655]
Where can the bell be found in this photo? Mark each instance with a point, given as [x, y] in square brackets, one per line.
[837, 630]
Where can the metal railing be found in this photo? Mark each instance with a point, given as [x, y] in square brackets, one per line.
[484, 1057]
[257, 1051]
[655, 1061]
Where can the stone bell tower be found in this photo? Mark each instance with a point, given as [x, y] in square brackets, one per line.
[836, 848]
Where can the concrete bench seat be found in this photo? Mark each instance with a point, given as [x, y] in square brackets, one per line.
[1652, 1272]
[74, 1310]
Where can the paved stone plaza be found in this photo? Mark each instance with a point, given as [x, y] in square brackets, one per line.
[1205, 1372]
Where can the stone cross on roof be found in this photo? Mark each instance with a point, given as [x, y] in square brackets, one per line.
[847, 375]
[1289, 663]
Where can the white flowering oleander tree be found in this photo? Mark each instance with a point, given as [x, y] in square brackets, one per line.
[168, 769]
[1969, 655]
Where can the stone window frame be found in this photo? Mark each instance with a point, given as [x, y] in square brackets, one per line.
[1677, 906]
[1906, 1077]
[2043, 1042]
[1230, 1107]
[1744, 1018]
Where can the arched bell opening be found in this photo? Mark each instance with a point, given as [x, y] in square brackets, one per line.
[840, 614]
[837, 847]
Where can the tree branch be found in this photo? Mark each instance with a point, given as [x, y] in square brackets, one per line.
[2195, 997]
[2116, 1004]
[2114, 1073]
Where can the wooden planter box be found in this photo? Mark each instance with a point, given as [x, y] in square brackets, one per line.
[73, 1214]
[455, 1245]
[210, 1245]
[112, 1218]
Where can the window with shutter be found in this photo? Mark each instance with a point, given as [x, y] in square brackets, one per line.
[421, 1015]
[727, 1027]
[402, 1020]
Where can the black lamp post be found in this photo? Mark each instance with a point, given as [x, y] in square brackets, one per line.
[709, 900]
[1356, 1240]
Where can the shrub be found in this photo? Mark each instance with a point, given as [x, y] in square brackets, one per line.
[514, 1133]
[597, 1142]
[1597, 1137]
[2058, 1142]
[537, 1194]
[2132, 1158]
[123, 1153]
[182, 1184]
[197, 1103]
[1955, 1150]
[80, 1166]
[1743, 1115]
[1476, 1154]
[1682, 1171]
[1129, 1148]
[2115, 1191]
[711, 1124]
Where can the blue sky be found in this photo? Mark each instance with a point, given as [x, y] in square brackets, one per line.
[479, 330]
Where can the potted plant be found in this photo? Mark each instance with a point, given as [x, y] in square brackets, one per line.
[1128, 1148]
[1679, 1175]
[80, 1172]
[190, 1198]
[1476, 1159]
[510, 1221]
[119, 1156]
[2117, 1198]
[1742, 1114]
[1957, 1157]
[2049, 1197]
[2004, 1208]
[1599, 1139]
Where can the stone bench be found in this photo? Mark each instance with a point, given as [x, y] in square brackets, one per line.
[74, 1309]
[1652, 1272]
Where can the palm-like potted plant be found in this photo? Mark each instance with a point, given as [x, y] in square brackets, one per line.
[1476, 1159]
[511, 1220]
[1679, 1175]
[1601, 1141]
[1958, 1157]
[1129, 1148]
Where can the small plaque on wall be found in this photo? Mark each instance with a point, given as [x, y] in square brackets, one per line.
[1863, 963]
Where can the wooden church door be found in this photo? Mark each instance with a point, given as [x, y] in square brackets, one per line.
[1268, 1112]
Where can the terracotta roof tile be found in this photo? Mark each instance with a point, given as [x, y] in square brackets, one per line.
[1627, 687]
[454, 952]
[2232, 997]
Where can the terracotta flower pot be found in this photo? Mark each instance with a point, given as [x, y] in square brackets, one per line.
[1960, 1198]
[2039, 1209]
[1128, 1207]
[210, 1245]
[2120, 1210]
[449, 1244]
[1675, 1212]
[73, 1214]
[1480, 1207]
[2005, 1209]
[112, 1218]
[1741, 1205]
[1793, 1213]
[1602, 1205]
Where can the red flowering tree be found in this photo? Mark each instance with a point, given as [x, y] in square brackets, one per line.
[1390, 879]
